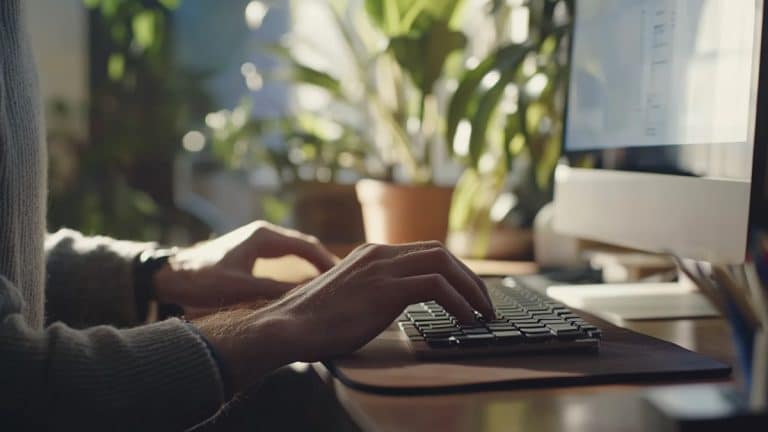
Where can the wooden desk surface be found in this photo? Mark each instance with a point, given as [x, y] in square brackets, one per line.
[588, 408]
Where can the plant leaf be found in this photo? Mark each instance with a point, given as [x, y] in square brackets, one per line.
[308, 75]
[423, 56]
[506, 57]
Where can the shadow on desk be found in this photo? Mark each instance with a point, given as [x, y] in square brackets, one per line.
[290, 399]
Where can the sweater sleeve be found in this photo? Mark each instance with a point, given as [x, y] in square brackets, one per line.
[154, 377]
[90, 279]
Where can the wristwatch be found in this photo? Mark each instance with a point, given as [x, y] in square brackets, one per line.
[145, 265]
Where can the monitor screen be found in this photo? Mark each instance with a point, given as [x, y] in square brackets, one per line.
[666, 86]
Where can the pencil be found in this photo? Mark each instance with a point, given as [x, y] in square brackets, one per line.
[739, 295]
[705, 288]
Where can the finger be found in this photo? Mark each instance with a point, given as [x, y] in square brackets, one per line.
[439, 260]
[435, 287]
[473, 275]
[286, 242]
[433, 244]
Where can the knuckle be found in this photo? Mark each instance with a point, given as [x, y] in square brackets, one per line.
[259, 228]
[438, 280]
[441, 256]
[376, 250]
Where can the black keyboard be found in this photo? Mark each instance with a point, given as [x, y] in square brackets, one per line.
[526, 321]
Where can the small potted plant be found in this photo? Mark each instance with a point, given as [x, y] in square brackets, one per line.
[399, 52]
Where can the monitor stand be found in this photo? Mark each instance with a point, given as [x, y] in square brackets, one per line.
[623, 302]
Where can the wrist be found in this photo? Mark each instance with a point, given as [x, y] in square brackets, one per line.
[146, 265]
[163, 280]
[250, 343]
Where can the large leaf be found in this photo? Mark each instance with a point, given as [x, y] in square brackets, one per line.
[423, 56]
[467, 99]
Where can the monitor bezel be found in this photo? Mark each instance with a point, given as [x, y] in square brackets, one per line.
[757, 214]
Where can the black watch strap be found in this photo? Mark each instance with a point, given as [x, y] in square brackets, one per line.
[145, 265]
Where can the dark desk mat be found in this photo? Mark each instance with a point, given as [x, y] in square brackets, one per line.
[386, 366]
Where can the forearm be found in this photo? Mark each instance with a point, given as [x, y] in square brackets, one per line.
[100, 378]
[90, 280]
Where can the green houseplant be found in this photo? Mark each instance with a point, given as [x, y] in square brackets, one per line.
[502, 121]
[400, 52]
[506, 117]
[405, 54]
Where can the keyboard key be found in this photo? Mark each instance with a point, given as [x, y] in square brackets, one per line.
[547, 317]
[541, 330]
[562, 327]
[529, 325]
[504, 326]
[443, 342]
[537, 337]
[555, 322]
[433, 322]
[524, 320]
[473, 325]
[476, 339]
[508, 336]
[475, 330]
[510, 309]
[517, 317]
[566, 332]
[433, 330]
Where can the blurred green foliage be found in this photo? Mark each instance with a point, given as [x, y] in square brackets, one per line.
[506, 110]
[120, 182]
[420, 37]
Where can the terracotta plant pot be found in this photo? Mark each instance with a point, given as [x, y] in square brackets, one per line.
[504, 244]
[394, 213]
[329, 211]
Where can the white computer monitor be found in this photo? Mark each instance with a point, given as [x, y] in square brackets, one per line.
[668, 118]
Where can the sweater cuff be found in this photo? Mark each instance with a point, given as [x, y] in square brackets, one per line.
[184, 375]
[223, 367]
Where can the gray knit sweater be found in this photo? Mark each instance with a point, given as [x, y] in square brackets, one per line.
[153, 377]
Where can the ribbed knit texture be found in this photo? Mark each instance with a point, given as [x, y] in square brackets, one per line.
[154, 377]
[22, 191]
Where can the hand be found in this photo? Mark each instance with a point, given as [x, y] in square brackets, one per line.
[218, 273]
[344, 308]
